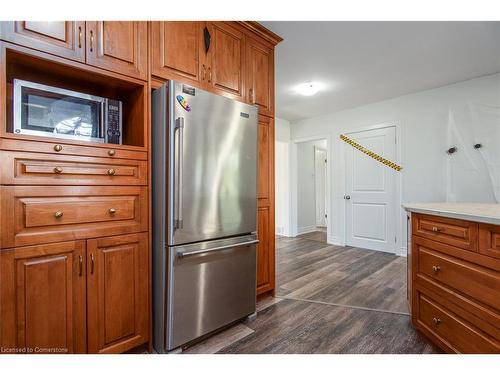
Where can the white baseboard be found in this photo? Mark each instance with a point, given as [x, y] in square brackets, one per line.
[401, 251]
[304, 230]
[334, 240]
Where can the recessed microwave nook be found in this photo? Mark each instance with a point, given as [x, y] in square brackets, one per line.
[44, 110]
[111, 108]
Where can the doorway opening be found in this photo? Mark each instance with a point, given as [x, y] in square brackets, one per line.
[312, 179]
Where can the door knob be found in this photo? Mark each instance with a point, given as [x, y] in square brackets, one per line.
[347, 197]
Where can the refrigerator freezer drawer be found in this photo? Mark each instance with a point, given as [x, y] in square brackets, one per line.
[210, 288]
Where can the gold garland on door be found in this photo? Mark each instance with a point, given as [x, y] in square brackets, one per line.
[370, 153]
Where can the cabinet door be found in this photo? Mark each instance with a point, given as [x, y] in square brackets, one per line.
[61, 38]
[260, 76]
[265, 252]
[265, 215]
[176, 50]
[119, 46]
[265, 160]
[43, 298]
[226, 68]
[117, 293]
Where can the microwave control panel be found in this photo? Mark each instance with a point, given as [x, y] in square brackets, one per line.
[113, 121]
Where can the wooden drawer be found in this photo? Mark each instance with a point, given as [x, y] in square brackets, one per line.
[94, 150]
[489, 240]
[481, 283]
[453, 332]
[479, 315]
[453, 232]
[22, 168]
[37, 214]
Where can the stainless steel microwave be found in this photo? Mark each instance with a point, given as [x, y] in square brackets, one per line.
[54, 112]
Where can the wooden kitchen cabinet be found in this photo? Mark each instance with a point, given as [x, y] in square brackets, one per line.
[61, 38]
[265, 255]
[177, 51]
[266, 158]
[455, 289]
[117, 293]
[42, 297]
[226, 57]
[265, 213]
[260, 76]
[119, 46]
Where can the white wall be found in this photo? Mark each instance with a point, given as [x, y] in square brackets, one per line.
[429, 122]
[306, 198]
[282, 176]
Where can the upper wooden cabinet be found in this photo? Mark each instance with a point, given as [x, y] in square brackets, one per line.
[117, 293]
[119, 46]
[209, 55]
[177, 50]
[62, 38]
[226, 59]
[260, 76]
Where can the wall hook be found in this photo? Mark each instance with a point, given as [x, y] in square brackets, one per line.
[478, 146]
[451, 150]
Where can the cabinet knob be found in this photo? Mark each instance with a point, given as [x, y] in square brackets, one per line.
[111, 172]
[436, 229]
[57, 148]
[436, 321]
[436, 269]
[111, 152]
[58, 214]
[58, 170]
[112, 211]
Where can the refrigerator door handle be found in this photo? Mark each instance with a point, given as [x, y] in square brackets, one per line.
[179, 126]
[219, 248]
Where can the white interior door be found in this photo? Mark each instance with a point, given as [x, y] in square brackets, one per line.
[370, 191]
[320, 185]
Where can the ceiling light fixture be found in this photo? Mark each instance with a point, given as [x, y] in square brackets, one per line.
[308, 88]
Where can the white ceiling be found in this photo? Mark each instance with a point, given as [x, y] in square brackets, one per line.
[365, 62]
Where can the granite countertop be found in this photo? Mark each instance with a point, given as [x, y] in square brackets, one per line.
[481, 212]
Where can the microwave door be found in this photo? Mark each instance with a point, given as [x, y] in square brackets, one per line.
[48, 111]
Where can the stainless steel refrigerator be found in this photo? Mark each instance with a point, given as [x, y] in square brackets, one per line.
[204, 213]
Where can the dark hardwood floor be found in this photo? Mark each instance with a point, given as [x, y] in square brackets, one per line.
[329, 299]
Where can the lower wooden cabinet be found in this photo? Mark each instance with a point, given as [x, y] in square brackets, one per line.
[42, 299]
[455, 283]
[265, 252]
[117, 293]
[76, 296]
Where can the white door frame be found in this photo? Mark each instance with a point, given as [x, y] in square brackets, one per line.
[339, 202]
[294, 181]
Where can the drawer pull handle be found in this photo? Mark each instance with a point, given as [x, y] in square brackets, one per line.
[80, 264]
[436, 269]
[112, 211]
[111, 152]
[437, 229]
[91, 264]
[436, 321]
[111, 172]
[58, 214]
[58, 170]
[57, 148]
